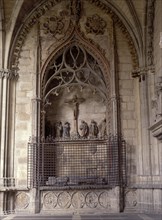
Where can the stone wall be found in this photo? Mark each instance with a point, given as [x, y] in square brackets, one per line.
[139, 107]
[128, 103]
[93, 108]
[25, 92]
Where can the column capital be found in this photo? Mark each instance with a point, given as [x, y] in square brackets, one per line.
[142, 71]
[8, 74]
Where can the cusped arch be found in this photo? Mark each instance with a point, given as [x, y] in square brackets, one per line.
[91, 60]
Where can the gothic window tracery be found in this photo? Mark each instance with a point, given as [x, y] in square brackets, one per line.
[75, 66]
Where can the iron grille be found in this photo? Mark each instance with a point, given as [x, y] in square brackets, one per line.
[77, 163]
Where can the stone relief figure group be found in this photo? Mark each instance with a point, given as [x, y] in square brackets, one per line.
[85, 131]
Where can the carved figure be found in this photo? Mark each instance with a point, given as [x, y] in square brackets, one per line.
[59, 129]
[66, 130]
[75, 102]
[93, 129]
[75, 9]
[102, 128]
[49, 139]
[83, 129]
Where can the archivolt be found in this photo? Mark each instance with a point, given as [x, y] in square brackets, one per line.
[40, 9]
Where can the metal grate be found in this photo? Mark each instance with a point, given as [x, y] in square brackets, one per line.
[77, 163]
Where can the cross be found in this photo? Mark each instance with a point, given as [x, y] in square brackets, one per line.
[75, 102]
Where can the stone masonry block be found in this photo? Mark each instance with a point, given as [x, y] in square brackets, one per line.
[126, 92]
[125, 98]
[123, 106]
[23, 116]
[126, 84]
[22, 126]
[131, 123]
[27, 86]
[124, 75]
[124, 124]
[128, 115]
[131, 106]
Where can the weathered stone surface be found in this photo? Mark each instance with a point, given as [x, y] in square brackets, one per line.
[122, 42]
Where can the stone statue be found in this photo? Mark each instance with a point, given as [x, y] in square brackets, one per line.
[49, 139]
[102, 128]
[59, 129]
[75, 10]
[83, 129]
[66, 130]
[93, 129]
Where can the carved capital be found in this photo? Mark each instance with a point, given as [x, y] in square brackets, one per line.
[158, 86]
[8, 74]
[141, 72]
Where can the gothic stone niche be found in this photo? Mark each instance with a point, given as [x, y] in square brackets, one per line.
[75, 94]
[76, 153]
[63, 109]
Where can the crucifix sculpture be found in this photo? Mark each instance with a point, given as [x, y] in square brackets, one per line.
[75, 102]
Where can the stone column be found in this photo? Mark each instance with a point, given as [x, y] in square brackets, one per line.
[144, 154]
[36, 119]
[1, 78]
[11, 124]
[36, 106]
[114, 86]
[4, 105]
[7, 75]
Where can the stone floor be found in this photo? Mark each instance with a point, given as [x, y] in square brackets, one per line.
[120, 216]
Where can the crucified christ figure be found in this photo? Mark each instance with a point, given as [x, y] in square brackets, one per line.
[75, 102]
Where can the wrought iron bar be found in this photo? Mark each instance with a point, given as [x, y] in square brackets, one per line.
[77, 163]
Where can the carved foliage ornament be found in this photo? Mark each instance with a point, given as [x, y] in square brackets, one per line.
[54, 25]
[150, 31]
[77, 200]
[38, 12]
[8, 74]
[131, 198]
[50, 200]
[22, 201]
[95, 25]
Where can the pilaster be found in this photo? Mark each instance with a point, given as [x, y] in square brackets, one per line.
[6, 76]
[144, 153]
[114, 86]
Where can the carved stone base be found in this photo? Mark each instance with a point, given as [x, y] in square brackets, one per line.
[143, 200]
[105, 201]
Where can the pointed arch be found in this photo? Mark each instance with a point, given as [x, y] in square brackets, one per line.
[76, 38]
[40, 9]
